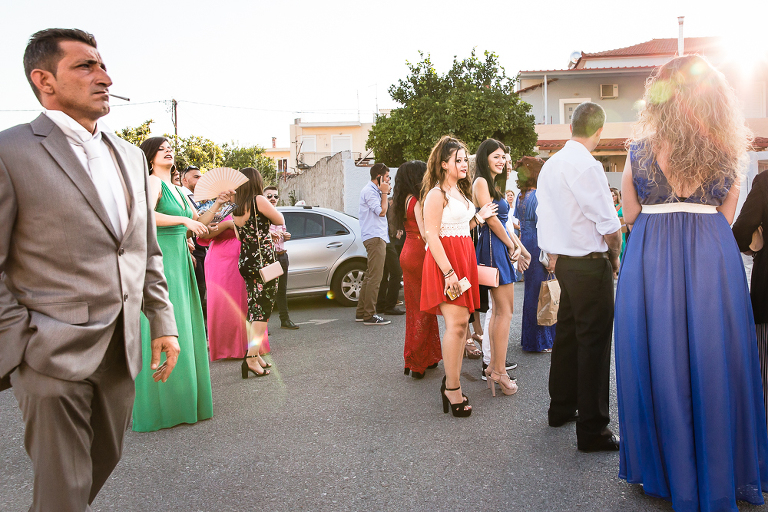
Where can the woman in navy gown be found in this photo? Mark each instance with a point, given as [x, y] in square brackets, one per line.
[688, 378]
[535, 337]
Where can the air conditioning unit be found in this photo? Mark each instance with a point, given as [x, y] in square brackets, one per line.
[608, 91]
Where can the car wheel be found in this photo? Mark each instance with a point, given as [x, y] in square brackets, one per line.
[347, 283]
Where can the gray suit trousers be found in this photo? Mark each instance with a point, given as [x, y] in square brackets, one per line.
[74, 430]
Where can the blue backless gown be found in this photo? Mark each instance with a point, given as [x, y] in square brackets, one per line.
[688, 378]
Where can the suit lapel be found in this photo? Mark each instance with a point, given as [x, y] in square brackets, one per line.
[122, 160]
[57, 145]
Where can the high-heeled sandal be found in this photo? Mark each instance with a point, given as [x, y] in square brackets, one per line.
[266, 364]
[244, 368]
[477, 337]
[415, 375]
[457, 410]
[471, 351]
[508, 386]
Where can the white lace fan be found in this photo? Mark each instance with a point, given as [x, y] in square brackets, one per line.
[216, 181]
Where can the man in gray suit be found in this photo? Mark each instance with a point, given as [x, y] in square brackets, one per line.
[80, 260]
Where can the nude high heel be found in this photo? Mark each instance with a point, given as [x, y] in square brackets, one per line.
[508, 386]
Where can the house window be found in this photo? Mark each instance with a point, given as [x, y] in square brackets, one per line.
[308, 143]
[567, 106]
[282, 164]
[341, 143]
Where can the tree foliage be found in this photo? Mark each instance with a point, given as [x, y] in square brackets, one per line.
[206, 154]
[136, 135]
[474, 101]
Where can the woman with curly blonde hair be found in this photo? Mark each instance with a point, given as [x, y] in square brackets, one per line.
[688, 378]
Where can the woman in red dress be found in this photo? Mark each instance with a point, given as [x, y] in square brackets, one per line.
[448, 216]
[422, 333]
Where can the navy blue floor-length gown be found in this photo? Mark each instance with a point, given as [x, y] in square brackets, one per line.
[535, 337]
[688, 378]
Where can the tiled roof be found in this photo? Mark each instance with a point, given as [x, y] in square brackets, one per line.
[576, 70]
[603, 145]
[760, 142]
[660, 47]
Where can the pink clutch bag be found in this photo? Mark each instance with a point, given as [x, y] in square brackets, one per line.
[488, 276]
[275, 270]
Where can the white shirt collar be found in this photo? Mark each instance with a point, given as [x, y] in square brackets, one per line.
[70, 126]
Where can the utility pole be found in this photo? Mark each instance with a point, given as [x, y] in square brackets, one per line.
[175, 121]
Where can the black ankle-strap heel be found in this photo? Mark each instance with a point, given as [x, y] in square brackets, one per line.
[457, 410]
[244, 368]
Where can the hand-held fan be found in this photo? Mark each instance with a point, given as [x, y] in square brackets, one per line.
[216, 181]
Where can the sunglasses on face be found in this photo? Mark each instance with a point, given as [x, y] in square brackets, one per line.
[270, 196]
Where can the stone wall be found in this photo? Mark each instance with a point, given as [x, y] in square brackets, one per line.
[321, 185]
[334, 182]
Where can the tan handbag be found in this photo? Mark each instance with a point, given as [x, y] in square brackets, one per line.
[488, 276]
[549, 301]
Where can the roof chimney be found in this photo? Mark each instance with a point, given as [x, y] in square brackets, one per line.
[680, 40]
[274, 142]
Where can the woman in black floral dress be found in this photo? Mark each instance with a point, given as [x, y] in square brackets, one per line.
[252, 216]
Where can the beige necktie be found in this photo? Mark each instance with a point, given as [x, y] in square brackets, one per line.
[95, 152]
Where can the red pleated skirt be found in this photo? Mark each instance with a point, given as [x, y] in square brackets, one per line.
[461, 253]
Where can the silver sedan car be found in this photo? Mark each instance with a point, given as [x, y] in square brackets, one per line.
[325, 252]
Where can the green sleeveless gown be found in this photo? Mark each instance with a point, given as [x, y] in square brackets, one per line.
[186, 396]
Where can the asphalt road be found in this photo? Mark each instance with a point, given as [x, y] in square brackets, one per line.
[338, 427]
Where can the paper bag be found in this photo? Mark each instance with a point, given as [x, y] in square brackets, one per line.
[549, 301]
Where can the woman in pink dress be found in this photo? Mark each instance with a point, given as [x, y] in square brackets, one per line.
[227, 334]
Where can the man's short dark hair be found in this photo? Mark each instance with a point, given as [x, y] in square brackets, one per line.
[378, 170]
[270, 187]
[43, 50]
[587, 119]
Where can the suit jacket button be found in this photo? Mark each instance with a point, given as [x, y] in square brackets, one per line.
[121, 251]
[125, 297]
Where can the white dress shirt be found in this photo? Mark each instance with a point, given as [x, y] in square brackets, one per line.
[110, 188]
[575, 204]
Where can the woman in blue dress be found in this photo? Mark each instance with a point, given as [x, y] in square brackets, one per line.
[688, 378]
[497, 247]
[535, 337]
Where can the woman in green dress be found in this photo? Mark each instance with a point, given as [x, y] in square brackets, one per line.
[186, 396]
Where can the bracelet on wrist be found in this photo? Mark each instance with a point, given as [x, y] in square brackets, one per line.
[479, 219]
[448, 274]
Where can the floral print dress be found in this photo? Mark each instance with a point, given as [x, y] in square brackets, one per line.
[257, 251]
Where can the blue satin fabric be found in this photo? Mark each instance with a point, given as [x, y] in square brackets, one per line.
[690, 395]
[500, 257]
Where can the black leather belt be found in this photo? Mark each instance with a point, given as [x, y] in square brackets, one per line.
[590, 256]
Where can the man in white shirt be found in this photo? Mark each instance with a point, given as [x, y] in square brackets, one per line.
[580, 230]
[189, 178]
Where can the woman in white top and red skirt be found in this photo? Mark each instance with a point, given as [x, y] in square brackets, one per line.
[448, 216]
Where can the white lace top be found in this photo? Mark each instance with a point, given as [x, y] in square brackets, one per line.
[456, 216]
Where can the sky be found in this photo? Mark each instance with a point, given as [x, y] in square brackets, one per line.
[242, 71]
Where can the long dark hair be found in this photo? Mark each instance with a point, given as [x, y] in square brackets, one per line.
[150, 147]
[407, 183]
[245, 193]
[435, 175]
[496, 185]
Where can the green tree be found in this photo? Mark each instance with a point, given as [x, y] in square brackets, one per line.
[238, 157]
[206, 154]
[198, 151]
[474, 101]
[136, 135]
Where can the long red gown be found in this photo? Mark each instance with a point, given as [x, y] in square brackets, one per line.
[422, 333]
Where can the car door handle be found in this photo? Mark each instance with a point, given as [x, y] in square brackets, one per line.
[334, 245]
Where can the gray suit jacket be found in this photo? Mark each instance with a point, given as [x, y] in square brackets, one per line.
[66, 274]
